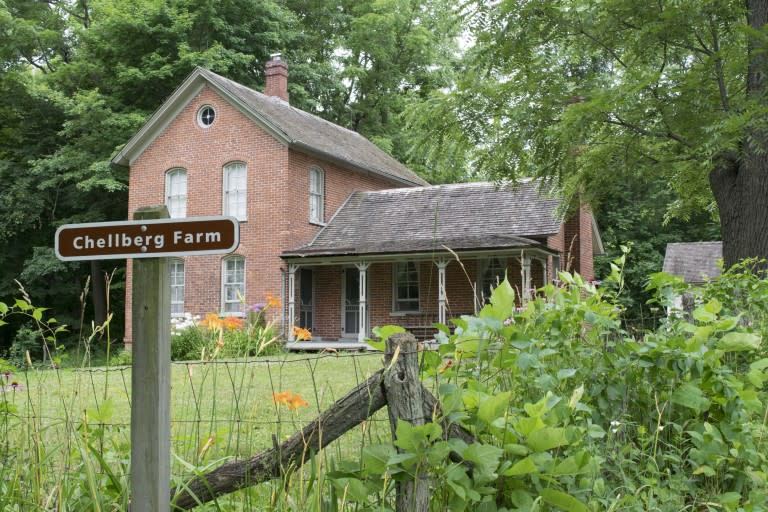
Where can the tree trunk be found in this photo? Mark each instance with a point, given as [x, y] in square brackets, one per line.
[740, 183]
[99, 293]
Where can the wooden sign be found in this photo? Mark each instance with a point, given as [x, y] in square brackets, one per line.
[147, 238]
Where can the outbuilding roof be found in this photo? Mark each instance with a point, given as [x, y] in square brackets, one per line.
[460, 217]
[695, 262]
[293, 127]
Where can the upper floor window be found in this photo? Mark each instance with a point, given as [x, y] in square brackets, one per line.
[406, 286]
[492, 272]
[177, 287]
[235, 185]
[232, 284]
[176, 192]
[316, 194]
[205, 116]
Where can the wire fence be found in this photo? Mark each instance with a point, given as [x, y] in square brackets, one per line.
[58, 425]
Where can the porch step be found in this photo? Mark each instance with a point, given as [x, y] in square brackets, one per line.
[343, 345]
[322, 345]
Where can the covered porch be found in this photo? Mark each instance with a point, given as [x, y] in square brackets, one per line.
[338, 299]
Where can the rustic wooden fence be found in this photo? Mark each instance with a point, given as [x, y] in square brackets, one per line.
[396, 386]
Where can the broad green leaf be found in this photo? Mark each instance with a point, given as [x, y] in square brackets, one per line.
[689, 395]
[23, 305]
[566, 373]
[353, 488]
[562, 500]
[493, 407]
[739, 341]
[701, 314]
[3, 308]
[571, 466]
[522, 467]
[704, 470]
[375, 458]
[485, 458]
[503, 300]
[546, 439]
[383, 333]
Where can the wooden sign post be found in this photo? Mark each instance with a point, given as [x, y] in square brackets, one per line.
[149, 240]
[151, 379]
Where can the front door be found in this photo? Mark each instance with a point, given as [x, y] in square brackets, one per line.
[305, 298]
[350, 302]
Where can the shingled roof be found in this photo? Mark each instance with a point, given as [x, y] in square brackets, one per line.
[460, 216]
[295, 128]
[695, 262]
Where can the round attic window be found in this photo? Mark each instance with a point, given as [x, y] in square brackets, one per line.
[206, 116]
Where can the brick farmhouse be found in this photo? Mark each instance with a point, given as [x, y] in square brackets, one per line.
[346, 236]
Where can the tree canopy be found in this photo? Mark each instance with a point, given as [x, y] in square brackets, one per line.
[590, 92]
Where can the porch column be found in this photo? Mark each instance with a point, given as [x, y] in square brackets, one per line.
[545, 270]
[291, 300]
[441, 295]
[362, 267]
[526, 278]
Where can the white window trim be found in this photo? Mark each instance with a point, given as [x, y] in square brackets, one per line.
[199, 116]
[225, 190]
[320, 217]
[172, 172]
[224, 283]
[172, 263]
[395, 300]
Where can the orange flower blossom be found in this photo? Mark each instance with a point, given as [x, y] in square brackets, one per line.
[301, 334]
[289, 398]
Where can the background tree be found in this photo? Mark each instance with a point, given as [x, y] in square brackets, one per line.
[81, 76]
[591, 92]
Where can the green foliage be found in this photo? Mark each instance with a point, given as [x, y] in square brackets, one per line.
[590, 92]
[570, 412]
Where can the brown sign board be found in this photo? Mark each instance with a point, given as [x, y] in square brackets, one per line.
[154, 238]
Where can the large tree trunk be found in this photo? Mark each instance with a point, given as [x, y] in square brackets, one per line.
[740, 182]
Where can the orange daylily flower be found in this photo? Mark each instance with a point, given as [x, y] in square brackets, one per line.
[272, 302]
[301, 334]
[211, 321]
[232, 322]
[289, 398]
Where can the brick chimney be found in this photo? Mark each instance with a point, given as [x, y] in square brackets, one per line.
[276, 71]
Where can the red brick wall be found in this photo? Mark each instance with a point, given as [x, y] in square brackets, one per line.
[278, 196]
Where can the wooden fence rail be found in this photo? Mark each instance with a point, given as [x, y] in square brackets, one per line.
[396, 386]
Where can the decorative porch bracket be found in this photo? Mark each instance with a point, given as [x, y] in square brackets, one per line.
[362, 267]
[441, 294]
[292, 268]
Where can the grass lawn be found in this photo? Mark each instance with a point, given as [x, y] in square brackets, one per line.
[221, 410]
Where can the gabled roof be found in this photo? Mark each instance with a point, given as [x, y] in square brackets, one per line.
[695, 262]
[295, 128]
[461, 217]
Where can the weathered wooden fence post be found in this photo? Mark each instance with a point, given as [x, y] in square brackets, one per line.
[405, 401]
[150, 380]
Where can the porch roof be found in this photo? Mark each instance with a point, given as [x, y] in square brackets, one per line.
[469, 216]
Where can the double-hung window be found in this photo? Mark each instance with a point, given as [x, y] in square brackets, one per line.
[232, 285]
[405, 286]
[176, 192]
[316, 195]
[177, 287]
[235, 188]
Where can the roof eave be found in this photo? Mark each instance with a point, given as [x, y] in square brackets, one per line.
[306, 148]
[170, 108]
